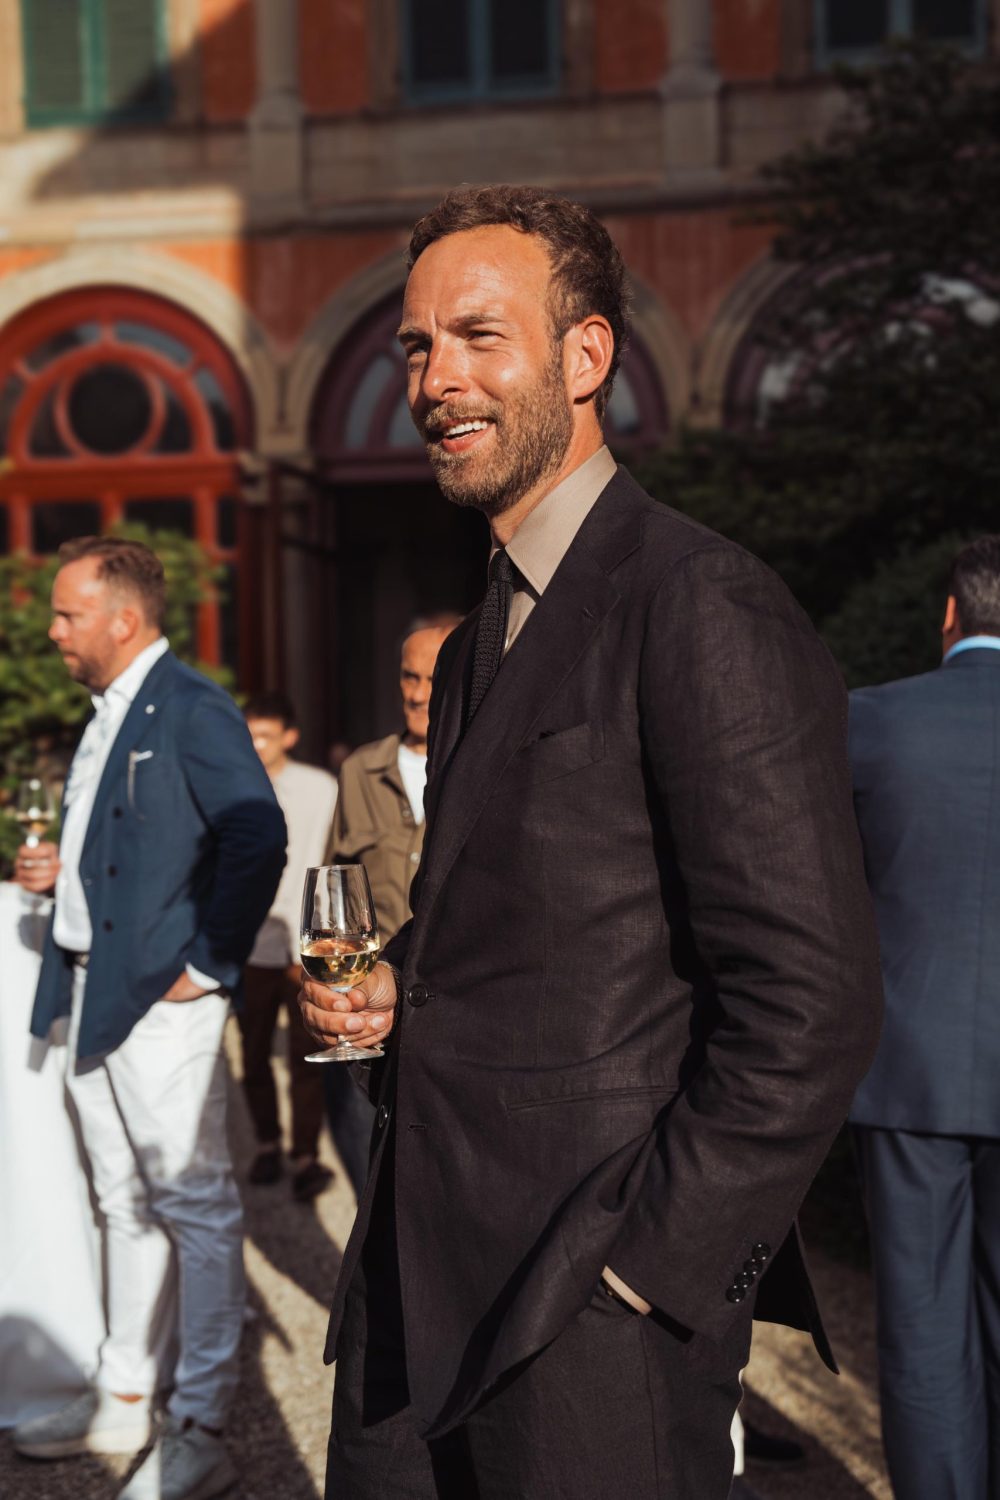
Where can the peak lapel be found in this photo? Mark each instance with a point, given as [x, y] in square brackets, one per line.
[446, 715]
[555, 636]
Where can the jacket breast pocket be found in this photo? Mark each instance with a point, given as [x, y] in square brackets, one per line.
[557, 754]
[146, 780]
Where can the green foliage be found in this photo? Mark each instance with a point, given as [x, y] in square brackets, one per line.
[886, 455]
[42, 711]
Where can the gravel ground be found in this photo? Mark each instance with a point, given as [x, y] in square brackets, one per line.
[281, 1417]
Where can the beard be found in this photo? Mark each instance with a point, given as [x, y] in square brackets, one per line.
[532, 431]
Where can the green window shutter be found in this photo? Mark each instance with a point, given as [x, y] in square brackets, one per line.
[55, 58]
[134, 81]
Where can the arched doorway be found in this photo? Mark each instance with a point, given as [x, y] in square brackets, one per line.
[118, 406]
[397, 549]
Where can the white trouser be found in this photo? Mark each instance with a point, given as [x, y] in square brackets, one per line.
[152, 1115]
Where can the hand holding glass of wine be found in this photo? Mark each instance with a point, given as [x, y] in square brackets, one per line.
[34, 808]
[339, 941]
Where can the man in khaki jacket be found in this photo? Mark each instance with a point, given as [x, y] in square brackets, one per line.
[379, 819]
[379, 822]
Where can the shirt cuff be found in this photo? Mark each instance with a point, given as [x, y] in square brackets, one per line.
[625, 1292]
[201, 980]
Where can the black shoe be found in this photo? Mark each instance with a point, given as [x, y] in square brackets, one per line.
[310, 1181]
[266, 1167]
[763, 1448]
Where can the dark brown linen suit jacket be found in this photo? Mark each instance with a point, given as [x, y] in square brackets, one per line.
[641, 982]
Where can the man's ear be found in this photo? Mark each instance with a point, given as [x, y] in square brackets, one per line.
[124, 625]
[290, 738]
[951, 624]
[589, 350]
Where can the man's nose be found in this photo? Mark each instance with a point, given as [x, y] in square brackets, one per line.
[444, 374]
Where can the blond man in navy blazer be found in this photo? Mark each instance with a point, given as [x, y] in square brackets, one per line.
[171, 850]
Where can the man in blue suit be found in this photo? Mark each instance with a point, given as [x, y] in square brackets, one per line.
[925, 754]
[172, 847]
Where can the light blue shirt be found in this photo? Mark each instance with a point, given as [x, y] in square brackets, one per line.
[973, 643]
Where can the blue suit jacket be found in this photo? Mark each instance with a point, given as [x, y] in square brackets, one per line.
[182, 857]
[925, 757]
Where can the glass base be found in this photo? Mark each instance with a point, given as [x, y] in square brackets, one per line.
[345, 1052]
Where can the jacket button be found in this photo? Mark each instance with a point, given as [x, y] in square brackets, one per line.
[743, 1279]
[735, 1294]
[760, 1251]
[418, 994]
[112, 870]
[751, 1267]
[382, 1117]
[116, 812]
[107, 924]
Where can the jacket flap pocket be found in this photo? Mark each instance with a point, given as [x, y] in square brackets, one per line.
[557, 754]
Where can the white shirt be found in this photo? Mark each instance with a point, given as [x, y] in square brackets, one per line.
[413, 774]
[307, 797]
[71, 927]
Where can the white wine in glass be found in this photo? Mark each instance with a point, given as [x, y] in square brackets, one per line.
[34, 808]
[339, 941]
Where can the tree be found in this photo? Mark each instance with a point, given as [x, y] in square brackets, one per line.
[884, 454]
[42, 711]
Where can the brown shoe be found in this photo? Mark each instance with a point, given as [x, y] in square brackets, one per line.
[310, 1181]
[266, 1167]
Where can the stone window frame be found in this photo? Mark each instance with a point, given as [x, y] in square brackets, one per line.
[183, 59]
[575, 78]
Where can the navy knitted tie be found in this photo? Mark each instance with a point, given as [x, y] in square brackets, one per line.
[491, 632]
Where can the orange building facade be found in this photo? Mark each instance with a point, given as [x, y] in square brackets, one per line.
[203, 209]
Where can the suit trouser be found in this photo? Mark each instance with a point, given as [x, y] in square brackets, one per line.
[934, 1212]
[351, 1117]
[616, 1405]
[265, 991]
[152, 1116]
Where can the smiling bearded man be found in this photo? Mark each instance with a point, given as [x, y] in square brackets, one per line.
[531, 431]
[641, 981]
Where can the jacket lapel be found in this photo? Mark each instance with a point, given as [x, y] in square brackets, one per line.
[556, 635]
[136, 722]
[447, 704]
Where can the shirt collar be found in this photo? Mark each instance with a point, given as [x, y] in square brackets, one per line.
[126, 685]
[543, 538]
[973, 643]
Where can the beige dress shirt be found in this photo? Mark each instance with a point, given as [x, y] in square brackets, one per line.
[543, 538]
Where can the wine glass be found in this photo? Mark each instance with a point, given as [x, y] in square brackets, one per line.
[339, 941]
[34, 808]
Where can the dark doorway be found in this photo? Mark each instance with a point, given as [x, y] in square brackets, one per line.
[400, 552]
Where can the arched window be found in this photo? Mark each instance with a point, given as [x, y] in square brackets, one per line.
[114, 406]
[361, 427]
[774, 366]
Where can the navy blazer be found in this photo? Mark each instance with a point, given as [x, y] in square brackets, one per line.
[925, 755]
[182, 857]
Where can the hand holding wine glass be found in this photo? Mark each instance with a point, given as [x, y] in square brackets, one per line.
[36, 863]
[339, 949]
[34, 808]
